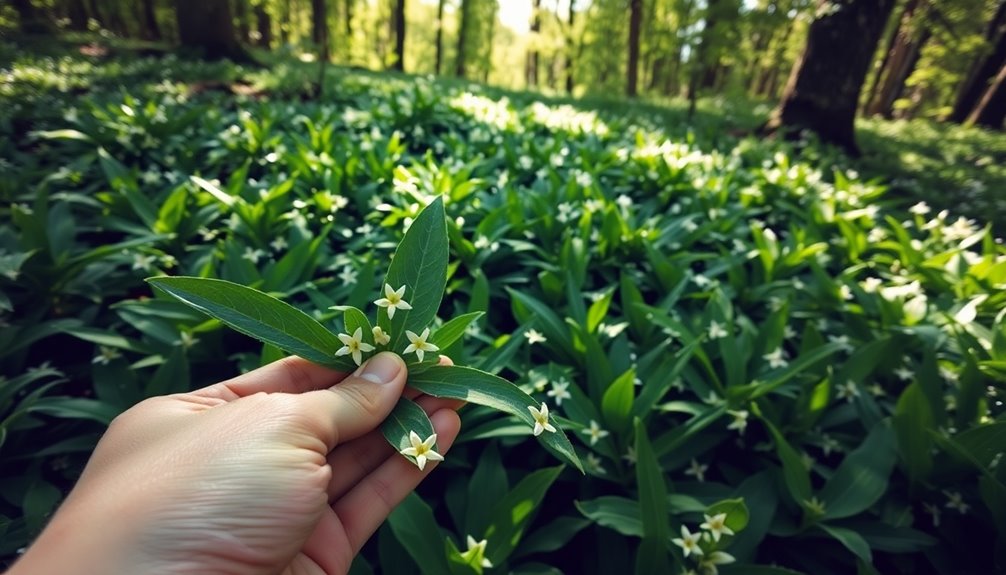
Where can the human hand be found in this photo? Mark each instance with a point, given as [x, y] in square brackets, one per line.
[279, 470]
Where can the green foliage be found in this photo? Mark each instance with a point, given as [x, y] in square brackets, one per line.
[721, 326]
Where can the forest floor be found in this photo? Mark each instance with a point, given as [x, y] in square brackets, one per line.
[946, 165]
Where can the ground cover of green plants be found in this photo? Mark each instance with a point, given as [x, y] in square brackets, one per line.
[755, 341]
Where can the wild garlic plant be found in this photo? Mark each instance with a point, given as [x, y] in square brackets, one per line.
[410, 297]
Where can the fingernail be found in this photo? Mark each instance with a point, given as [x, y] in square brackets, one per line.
[382, 368]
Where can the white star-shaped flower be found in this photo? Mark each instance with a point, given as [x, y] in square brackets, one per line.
[393, 300]
[716, 526]
[534, 336]
[848, 391]
[716, 330]
[279, 244]
[630, 455]
[904, 373]
[594, 464]
[348, 275]
[740, 420]
[418, 344]
[689, 542]
[776, 359]
[956, 501]
[697, 470]
[477, 549]
[541, 419]
[559, 391]
[380, 338]
[595, 433]
[354, 345]
[422, 450]
[715, 558]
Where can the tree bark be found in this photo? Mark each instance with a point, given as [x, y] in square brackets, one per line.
[632, 71]
[531, 66]
[991, 109]
[319, 28]
[983, 69]
[898, 63]
[208, 26]
[459, 65]
[822, 93]
[570, 50]
[263, 24]
[399, 22]
[440, 36]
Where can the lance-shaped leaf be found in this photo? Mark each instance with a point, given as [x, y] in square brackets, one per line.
[483, 388]
[652, 555]
[419, 264]
[355, 319]
[451, 331]
[406, 417]
[260, 316]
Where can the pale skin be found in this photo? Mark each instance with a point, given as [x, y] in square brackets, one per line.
[280, 470]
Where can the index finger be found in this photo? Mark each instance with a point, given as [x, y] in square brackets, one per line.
[288, 375]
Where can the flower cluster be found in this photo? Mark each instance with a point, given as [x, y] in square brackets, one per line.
[701, 545]
[355, 347]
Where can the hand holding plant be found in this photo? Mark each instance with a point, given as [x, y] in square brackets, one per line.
[280, 469]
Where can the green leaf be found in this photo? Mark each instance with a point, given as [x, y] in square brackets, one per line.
[260, 316]
[613, 512]
[912, 421]
[417, 530]
[512, 514]
[406, 417]
[850, 539]
[653, 554]
[172, 376]
[983, 443]
[552, 537]
[795, 474]
[862, 477]
[488, 485]
[736, 510]
[616, 404]
[599, 309]
[76, 408]
[419, 264]
[453, 329]
[354, 319]
[483, 388]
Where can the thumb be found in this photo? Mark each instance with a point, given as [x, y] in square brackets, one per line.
[358, 403]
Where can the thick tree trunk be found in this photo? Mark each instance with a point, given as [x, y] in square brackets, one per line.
[991, 109]
[263, 24]
[399, 23]
[983, 69]
[208, 26]
[319, 28]
[632, 71]
[898, 63]
[459, 65]
[148, 20]
[531, 65]
[822, 93]
[440, 36]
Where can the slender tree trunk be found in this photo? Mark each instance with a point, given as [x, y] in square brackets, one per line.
[263, 24]
[570, 50]
[822, 93]
[900, 57]
[991, 109]
[531, 65]
[440, 36]
[319, 28]
[398, 21]
[489, 47]
[208, 25]
[459, 64]
[983, 69]
[632, 72]
[77, 13]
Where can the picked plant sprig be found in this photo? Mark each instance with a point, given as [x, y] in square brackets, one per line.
[410, 297]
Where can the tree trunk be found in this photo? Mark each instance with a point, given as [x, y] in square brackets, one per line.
[902, 54]
[459, 65]
[263, 24]
[983, 69]
[489, 45]
[822, 93]
[440, 36]
[892, 40]
[319, 28]
[208, 26]
[531, 65]
[632, 71]
[991, 109]
[399, 23]
[570, 50]
[149, 18]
